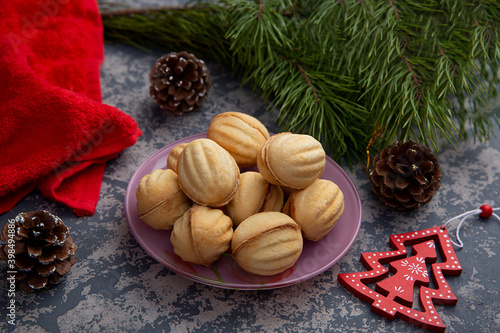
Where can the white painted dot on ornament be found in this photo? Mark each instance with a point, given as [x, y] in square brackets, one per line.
[377, 304]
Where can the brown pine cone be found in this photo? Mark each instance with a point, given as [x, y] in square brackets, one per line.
[179, 82]
[405, 175]
[38, 247]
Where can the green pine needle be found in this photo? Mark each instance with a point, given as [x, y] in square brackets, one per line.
[423, 70]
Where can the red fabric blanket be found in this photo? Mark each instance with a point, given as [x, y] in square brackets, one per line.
[55, 135]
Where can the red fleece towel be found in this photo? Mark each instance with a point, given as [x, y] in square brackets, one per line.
[55, 135]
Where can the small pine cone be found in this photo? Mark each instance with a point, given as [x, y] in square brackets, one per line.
[405, 175]
[179, 82]
[38, 247]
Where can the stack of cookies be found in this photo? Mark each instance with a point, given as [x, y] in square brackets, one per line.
[213, 203]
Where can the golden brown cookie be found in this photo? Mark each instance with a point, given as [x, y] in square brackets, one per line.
[173, 156]
[317, 208]
[291, 160]
[254, 195]
[208, 174]
[267, 243]
[201, 235]
[160, 200]
[240, 134]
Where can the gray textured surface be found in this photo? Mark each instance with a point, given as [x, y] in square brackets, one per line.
[116, 287]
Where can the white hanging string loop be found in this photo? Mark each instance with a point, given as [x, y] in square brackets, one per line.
[484, 211]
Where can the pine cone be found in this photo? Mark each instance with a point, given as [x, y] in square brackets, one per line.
[42, 248]
[405, 175]
[179, 82]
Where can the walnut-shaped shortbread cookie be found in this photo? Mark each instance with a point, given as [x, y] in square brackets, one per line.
[317, 208]
[208, 174]
[160, 200]
[267, 243]
[240, 134]
[173, 156]
[291, 160]
[254, 195]
[201, 235]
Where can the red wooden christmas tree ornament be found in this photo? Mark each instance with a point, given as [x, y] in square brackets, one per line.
[393, 295]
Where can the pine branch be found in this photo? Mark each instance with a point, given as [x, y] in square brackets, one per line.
[197, 28]
[339, 69]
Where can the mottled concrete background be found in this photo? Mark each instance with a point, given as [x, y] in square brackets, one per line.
[115, 286]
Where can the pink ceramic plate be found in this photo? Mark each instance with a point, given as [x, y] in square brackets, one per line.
[316, 257]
